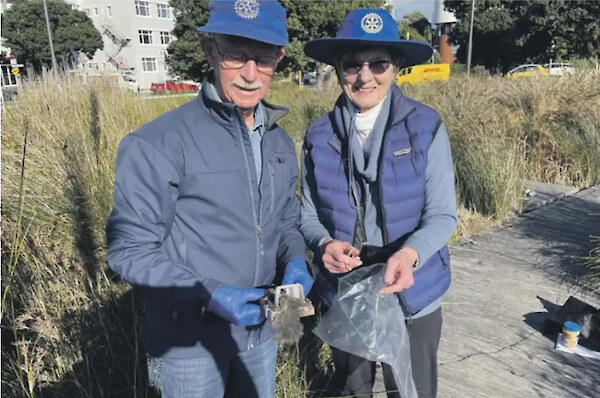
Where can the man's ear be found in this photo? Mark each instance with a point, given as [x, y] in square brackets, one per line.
[209, 51]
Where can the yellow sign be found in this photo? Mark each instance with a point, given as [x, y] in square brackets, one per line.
[15, 71]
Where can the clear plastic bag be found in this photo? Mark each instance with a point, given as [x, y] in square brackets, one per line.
[370, 325]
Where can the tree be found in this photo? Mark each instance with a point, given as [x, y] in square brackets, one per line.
[415, 26]
[186, 57]
[510, 32]
[306, 20]
[24, 28]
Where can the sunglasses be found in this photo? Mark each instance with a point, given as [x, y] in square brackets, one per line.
[377, 67]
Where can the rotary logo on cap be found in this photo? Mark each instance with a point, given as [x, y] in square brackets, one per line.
[371, 23]
[247, 9]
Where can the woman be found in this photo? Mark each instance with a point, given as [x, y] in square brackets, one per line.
[378, 184]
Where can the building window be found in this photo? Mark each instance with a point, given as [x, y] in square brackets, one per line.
[163, 10]
[87, 11]
[166, 38]
[145, 36]
[142, 8]
[108, 11]
[149, 64]
[96, 11]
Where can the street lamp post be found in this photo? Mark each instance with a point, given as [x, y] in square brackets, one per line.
[470, 50]
[54, 65]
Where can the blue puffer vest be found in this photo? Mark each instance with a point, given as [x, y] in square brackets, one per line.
[408, 133]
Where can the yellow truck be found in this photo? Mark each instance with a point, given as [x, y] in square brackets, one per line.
[423, 74]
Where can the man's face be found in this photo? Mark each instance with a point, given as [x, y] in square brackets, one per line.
[366, 76]
[243, 68]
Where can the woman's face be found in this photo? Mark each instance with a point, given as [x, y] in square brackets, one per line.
[366, 76]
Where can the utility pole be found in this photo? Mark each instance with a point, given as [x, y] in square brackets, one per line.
[54, 65]
[470, 38]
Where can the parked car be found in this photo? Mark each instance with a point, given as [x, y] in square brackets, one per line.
[309, 77]
[174, 86]
[129, 82]
[560, 69]
[527, 70]
[423, 73]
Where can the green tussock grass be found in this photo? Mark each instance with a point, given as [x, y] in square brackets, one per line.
[70, 327]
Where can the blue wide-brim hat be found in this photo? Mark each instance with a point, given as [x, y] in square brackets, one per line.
[368, 27]
[259, 20]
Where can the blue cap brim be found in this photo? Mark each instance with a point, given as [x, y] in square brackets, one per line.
[252, 32]
[325, 50]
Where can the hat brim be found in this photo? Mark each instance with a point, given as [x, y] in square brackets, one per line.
[252, 32]
[326, 49]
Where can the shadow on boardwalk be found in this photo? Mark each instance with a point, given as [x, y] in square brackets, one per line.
[492, 345]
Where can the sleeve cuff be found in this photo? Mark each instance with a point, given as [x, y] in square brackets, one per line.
[417, 263]
[324, 240]
[210, 285]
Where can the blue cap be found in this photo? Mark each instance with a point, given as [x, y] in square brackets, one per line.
[368, 27]
[258, 20]
[572, 326]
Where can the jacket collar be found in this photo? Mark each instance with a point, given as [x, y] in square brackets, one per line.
[400, 108]
[226, 113]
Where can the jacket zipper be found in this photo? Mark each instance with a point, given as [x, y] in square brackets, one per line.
[259, 234]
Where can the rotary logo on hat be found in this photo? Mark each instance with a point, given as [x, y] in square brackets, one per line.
[371, 23]
[246, 8]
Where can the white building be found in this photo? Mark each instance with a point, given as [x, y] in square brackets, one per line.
[136, 35]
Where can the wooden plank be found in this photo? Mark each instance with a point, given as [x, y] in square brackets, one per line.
[492, 345]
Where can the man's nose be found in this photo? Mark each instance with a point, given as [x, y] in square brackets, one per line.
[249, 71]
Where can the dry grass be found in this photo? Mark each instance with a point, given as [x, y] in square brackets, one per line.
[70, 326]
[593, 264]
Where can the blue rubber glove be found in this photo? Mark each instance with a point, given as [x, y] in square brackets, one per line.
[233, 304]
[296, 272]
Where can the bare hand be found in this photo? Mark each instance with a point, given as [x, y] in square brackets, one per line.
[339, 256]
[399, 271]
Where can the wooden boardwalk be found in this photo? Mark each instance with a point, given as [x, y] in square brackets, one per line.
[492, 345]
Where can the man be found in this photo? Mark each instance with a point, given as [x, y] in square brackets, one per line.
[205, 210]
[378, 186]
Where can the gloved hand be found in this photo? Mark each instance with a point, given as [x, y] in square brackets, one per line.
[234, 304]
[297, 272]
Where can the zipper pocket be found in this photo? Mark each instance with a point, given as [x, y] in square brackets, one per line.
[444, 262]
[272, 174]
[182, 250]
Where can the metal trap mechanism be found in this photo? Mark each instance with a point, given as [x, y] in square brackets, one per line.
[287, 299]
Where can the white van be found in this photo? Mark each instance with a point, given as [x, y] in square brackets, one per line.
[128, 82]
[560, 69]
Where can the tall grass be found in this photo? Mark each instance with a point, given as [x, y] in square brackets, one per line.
[503, 130]
[70, 326]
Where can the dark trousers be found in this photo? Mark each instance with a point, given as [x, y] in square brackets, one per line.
[355, 375]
